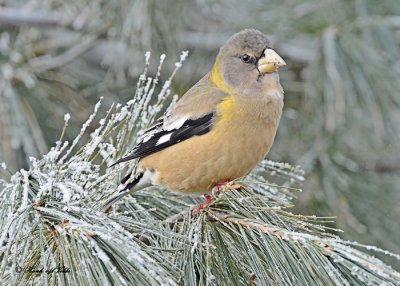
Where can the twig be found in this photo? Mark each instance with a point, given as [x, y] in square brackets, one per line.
[386, 167]
[245, 223]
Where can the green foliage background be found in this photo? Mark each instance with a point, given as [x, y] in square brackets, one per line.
[342, 89]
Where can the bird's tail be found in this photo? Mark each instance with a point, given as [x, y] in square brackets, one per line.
[127, 183]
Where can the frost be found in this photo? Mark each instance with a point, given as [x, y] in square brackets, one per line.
[184, 55]
[25, 175]
[122, 115]
[147, 56]
[196, 237]
[89, 149]
[134, 257]
[101, 254]
[67, 116]
[142, 77]
[75, 208]
[122, 280]
[83, 129]
[66, 192]
[52, 155]
[107, 151]
[162, 58]
[116, 226]
[45, 188]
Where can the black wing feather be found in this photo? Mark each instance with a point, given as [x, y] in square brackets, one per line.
[190, 128]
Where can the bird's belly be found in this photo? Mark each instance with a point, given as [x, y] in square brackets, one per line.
[196, 164]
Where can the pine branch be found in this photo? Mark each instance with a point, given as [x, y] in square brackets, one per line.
[52, 232]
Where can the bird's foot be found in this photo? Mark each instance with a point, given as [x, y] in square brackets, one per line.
[216, 190]
[209, 199]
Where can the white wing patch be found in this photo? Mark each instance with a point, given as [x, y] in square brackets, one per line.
[164, 139]
[147, 137]
[175, 124]
[168, 125]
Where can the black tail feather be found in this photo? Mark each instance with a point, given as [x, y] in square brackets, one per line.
[124, 159]
[126, 178]
[126, 190]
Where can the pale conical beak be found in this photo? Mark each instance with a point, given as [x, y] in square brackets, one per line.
[270, 62]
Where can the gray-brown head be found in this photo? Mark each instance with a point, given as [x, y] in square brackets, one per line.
[247, 63]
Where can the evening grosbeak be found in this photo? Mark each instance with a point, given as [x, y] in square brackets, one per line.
[219, 130]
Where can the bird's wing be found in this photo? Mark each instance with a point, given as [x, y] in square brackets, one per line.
[193, 115]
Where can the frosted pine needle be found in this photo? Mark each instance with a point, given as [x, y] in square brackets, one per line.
[50, 216]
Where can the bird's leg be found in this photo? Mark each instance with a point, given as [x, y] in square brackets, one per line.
[216, 190]
[209, 198]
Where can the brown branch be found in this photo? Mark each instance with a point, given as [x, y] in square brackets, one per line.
[252, 278]
[387, 167]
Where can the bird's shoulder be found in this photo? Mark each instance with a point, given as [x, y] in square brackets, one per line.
[200, 99]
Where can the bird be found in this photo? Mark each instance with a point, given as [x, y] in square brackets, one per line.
[219, 130]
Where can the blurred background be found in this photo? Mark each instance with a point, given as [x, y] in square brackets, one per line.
[342, 85]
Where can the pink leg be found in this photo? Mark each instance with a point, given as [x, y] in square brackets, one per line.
[209, 198]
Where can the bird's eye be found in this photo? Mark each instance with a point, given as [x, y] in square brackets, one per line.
[247, 59]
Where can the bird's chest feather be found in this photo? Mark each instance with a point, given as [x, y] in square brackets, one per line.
[250, 116]
[249, 125]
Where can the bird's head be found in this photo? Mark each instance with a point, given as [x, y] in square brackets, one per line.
[246, 63]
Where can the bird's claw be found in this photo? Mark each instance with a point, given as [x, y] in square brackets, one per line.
[233, 185]
[209, 199]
